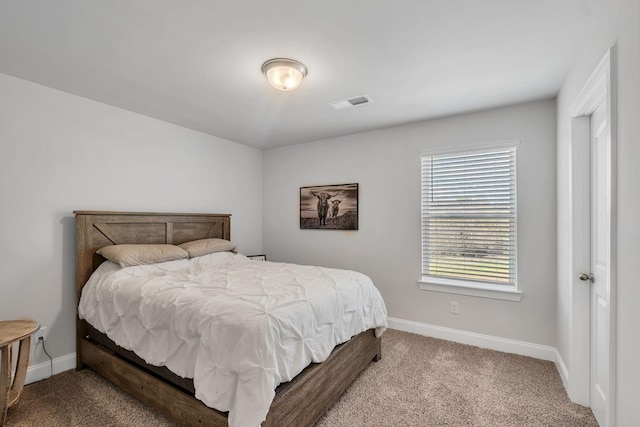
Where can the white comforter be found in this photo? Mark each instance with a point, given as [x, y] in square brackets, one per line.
[238, 327]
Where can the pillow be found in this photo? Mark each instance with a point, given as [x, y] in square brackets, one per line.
[128, 255]
[207, 246]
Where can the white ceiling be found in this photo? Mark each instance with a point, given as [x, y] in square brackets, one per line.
[196, 63]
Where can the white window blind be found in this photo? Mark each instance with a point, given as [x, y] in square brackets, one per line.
[469, 216]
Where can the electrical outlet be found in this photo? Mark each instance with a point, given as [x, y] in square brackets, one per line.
[454, 307]
[42, 333]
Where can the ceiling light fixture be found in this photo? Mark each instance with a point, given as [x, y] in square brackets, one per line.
[284, 74]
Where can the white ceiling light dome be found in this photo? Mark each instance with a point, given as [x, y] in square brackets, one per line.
[283, 73]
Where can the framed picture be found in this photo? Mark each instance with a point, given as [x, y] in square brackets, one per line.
[257, 257]
[329, 207]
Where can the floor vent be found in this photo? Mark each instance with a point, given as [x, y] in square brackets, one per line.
[354, 101]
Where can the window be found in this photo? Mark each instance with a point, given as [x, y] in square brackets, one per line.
[469, 219]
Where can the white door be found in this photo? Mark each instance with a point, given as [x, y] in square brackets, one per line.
[600, 263]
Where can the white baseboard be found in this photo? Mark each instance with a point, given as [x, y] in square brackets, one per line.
[479, 340]
[562, 370]
[43, 370]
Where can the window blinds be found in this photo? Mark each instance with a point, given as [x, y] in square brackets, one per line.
[469, 216]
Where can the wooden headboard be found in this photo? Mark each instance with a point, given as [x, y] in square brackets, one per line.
[95, 229]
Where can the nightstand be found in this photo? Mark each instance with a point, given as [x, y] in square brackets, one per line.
[10, 332]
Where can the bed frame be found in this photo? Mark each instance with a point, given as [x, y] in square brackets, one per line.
[300, 402]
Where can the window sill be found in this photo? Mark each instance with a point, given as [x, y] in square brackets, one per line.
[463, 288]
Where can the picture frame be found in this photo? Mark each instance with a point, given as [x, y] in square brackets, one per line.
[329, 207]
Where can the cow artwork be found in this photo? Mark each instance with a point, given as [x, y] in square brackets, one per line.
[323, 206]
[335, 208]
[330, 207]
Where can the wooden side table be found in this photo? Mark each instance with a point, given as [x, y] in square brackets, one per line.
[10, 332]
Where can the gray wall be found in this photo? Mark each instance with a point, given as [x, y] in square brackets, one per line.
[619, 23]
[386, 164]
[60, 152]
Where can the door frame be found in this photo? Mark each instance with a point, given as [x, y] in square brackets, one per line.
[599, 88]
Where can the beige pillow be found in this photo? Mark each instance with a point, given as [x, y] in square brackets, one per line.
[207, 246]
[128, 255]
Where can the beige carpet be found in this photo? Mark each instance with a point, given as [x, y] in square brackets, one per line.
[419, 382]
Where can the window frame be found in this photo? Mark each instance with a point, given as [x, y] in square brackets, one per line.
[461, 286]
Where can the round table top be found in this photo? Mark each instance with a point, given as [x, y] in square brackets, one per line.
[15, 330]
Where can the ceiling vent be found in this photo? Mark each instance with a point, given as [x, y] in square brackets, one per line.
[352, 102]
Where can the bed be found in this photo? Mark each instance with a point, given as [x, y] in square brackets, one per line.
[299, 402]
